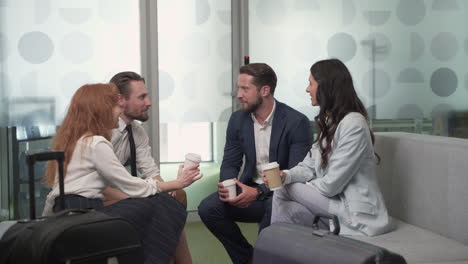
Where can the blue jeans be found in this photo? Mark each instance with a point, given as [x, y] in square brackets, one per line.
[220, 217]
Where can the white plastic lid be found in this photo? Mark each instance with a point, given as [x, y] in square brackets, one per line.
[270, 166]
[228, 183]
[193, 157]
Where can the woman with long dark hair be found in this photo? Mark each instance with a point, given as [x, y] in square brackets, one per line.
[90, 166]
[338, 175]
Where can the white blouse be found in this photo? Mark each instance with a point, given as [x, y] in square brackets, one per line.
[144, 159]
[92, 168]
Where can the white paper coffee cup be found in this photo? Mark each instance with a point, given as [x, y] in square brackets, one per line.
[191, 160]
[231, 186]
[271, 171]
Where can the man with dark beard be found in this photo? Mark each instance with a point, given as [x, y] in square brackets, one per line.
[136, 99]
[263, 131]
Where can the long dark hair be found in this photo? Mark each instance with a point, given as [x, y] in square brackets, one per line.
[336, 97]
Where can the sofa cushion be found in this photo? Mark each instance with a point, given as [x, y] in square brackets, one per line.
[424, 181]
[419, 245]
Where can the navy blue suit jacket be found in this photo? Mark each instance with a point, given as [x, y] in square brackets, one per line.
[291, 139]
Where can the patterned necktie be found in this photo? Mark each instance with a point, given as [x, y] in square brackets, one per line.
[132, 150]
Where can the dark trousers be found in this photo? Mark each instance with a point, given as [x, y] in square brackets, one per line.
[159, 219]
[220, 218]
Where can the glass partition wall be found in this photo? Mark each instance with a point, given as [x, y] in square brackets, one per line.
[408, 58]
[48, 49]
[195, 83]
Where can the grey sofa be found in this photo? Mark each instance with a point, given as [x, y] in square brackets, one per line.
[424, 180]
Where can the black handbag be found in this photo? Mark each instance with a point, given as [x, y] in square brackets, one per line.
[70, 236]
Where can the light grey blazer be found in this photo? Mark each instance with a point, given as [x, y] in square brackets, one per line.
[349, 180]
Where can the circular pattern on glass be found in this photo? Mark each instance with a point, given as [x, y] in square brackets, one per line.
[75, 15]
[342, 46]
[376, 17]
[444, 82]
[377, 46]
[35, 47]
[411, 12]
[197, 47]
[224, 16]
[307, 47]
[382, 84]
[166, 85]
[410, 111]
[444, 46]
[270, 14]
[42, 11]
[202, 11]
[77, 47]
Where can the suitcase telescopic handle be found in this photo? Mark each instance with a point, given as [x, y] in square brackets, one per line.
[31, 158]
[334, 218]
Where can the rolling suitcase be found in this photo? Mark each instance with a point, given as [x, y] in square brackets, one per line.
[294, 244]
[70, 236]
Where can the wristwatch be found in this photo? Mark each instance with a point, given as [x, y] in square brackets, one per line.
[260, 194]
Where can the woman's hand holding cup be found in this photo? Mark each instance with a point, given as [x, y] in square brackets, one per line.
[282, 175]
[271, 176]
[188, 176]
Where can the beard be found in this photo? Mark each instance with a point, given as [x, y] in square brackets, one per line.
[140, 117]
[250, 108]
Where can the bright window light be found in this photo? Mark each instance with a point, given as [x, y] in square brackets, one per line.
[179, 139]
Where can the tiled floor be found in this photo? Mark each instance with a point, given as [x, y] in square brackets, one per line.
[206, 249]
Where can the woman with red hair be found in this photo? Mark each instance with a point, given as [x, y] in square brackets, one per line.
[90, 166]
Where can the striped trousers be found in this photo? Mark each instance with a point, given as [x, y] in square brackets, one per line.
[159, 219]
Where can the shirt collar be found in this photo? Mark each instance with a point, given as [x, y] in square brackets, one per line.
[122, 125]
[269, 119]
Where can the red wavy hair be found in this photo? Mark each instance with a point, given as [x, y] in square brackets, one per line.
[90, 114]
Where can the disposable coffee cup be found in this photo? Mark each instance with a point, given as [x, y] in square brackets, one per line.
[271, 171]
[231, 186]
[191, 160]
